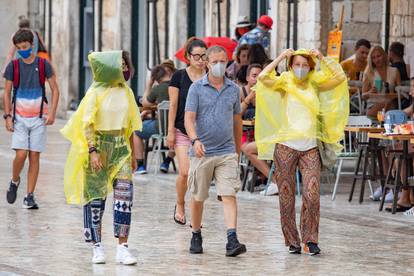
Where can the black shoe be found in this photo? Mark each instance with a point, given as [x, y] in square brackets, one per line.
[234, 247]
[196, 244]
[295, 249]
[12, 192]
[29, 202]
[312, 249]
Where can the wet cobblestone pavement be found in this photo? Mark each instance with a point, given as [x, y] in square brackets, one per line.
[355, 239]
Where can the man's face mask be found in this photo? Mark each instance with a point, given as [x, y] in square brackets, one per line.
[218, 70]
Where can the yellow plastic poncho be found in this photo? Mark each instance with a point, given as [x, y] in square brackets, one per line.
[324, 95]
[109, 106]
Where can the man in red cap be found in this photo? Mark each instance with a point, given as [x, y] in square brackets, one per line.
[260, 34]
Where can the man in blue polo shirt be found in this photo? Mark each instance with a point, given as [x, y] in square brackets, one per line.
[213, 122]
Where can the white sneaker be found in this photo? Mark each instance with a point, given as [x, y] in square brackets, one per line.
[271, 190]
[98, 254]
[377, 194]
[389, 197]
[409, 212]
[123, 256]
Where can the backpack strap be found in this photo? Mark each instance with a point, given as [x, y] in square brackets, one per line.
[16, 83]
[16, 74]
[42, 80]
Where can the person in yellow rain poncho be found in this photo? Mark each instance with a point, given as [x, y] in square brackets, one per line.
[296, 111]
[101, 157]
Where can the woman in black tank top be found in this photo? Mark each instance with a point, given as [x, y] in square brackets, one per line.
[177, 138]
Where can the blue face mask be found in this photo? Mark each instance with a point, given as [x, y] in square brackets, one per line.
[25, 53]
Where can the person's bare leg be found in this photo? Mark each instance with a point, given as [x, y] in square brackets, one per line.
[196, 214]
[230, 211]
[33, 173]
[250, 150]
[122, 240]
[404, 199]
[139, 147]
[181, 181]
[18, 164]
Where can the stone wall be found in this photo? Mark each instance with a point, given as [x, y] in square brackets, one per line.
[65, 41]
[116, 25]
[9, 14]
[362, 19]
[177, 27]
[402, 21]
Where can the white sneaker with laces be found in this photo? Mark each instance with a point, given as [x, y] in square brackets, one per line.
[123, 256]
[271, 190]
[98, 254]
[409, 212]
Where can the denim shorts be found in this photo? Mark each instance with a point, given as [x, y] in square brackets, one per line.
[29, 134]
[149, 128]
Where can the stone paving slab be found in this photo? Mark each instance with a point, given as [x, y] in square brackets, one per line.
[355, 239]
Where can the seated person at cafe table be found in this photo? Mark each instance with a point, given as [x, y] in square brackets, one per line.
[249, 147]
[250, 150]
[154, 94]
[406, 198]
[354, 67]
[379, 79]
[247, 95]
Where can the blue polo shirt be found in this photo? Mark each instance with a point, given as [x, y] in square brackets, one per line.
[214, 115]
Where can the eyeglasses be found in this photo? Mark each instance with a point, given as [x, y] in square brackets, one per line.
[197, 57]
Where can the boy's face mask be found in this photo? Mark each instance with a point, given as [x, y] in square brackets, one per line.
[25, 53]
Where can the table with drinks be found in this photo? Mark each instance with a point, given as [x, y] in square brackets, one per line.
[402, 158]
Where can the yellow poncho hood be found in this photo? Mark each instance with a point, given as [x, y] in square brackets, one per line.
[108, 78]
[325, 95]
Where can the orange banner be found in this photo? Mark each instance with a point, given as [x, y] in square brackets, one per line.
[334, 44]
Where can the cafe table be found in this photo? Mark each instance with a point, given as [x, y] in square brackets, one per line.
[403, 158]
[370, 152]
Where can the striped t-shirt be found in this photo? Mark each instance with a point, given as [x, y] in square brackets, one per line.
[29, 92]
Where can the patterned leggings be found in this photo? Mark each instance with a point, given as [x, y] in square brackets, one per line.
[94, 210]
[286, 160]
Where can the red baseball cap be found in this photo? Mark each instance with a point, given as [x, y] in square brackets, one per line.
[266, 20]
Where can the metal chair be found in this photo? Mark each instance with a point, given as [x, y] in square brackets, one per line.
[158, 148]
[402, 91]
[360, 105]
[350, 150]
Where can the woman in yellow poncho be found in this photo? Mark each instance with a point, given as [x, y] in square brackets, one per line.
[101, 157]
[295, 112]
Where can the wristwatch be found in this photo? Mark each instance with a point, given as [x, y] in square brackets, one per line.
[5, 116]
[194, 140]
[92, 149]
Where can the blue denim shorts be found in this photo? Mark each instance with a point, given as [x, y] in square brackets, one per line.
[149, 128]
[29, 134]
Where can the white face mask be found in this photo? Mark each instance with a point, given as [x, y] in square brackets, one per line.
[301, 72]
[218, 69]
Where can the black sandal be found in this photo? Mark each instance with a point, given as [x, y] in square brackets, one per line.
[398, 209]
[179, 221]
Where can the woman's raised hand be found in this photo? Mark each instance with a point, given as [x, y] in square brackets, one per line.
[316, 53]
[287, 53]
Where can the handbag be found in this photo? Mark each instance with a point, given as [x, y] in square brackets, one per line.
[327, 154]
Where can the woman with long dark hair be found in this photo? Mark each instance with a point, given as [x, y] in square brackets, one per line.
[177, 139]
